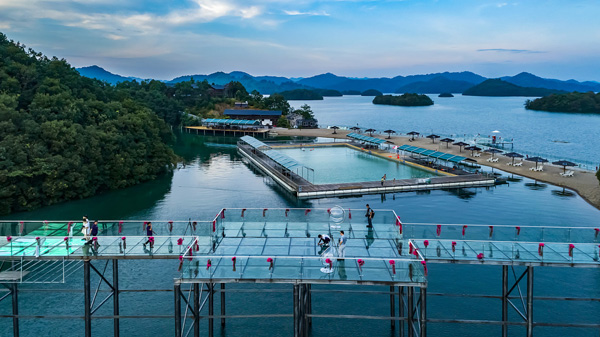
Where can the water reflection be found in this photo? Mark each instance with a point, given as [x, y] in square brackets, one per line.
[536, 185]
[563, 193]
[462, 193]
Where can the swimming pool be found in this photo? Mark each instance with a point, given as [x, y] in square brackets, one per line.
[341, 164]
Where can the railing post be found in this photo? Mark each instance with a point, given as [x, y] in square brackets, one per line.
[504, 301]
[529, 301]
[87, 298]
[116, 297]
[177, 294]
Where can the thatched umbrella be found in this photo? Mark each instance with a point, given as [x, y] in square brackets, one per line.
[460, 145]
[413, 134]
[334, 129]
[389, 132]
[447, 140]
[432, 137]
[370, 131]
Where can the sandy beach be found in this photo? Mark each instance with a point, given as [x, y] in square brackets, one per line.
[584, 183]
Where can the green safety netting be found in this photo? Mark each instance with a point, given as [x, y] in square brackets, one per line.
[222, 121]
[364, 138]
[255, 143]
[432, 153]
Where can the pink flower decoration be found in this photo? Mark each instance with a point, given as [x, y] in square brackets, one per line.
[571, 245]
[37, 238]
[8, 238]
[542, 245]
[518, 230]
[181, 258]
[426, 243]
[360, 262]
[180, 241]
[95, 238]
[424, 267]
[269, 260]
[120, 222]
[328, 260]
[233, 259]
[392, 262]
[480, 256]
[123, 238]
[66, 238]
[454, 246]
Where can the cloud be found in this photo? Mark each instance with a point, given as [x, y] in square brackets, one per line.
[512, 51]
[115, 37]
[312, 13]
[4, 25]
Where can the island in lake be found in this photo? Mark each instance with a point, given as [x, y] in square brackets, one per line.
[371, 92]
[500, 88]
[403, 100]
[583, 102]
[445, 94]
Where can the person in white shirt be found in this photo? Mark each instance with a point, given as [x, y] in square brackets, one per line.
[85, 229]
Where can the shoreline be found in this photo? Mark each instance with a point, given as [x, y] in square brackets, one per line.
[584, 183]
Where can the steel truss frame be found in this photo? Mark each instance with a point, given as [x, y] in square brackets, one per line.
[411, 316]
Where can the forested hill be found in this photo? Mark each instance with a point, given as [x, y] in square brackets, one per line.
[581, 102]
[66, 137]
[498, 88]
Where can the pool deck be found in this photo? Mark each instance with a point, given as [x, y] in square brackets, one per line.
[584, 183]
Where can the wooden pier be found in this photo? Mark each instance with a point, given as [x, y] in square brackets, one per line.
[208, 131]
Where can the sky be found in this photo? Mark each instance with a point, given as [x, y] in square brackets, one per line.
[164, 39]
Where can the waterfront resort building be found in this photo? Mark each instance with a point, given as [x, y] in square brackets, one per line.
[266, 117]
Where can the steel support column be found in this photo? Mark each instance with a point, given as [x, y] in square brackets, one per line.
[87, 298]
[393, 306]
[529, 301]
[423, 313]
[296, 313]
[196, 309]
[504, 300]
[410, 313]
[222, 304]
[177, 293]
[15, 308]
[401, 309]
[211, 312]
[309, 304]
[116, 297]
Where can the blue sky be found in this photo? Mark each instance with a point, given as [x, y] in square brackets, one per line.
[299, 38]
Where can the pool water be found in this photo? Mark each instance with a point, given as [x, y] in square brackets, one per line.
[340, 164]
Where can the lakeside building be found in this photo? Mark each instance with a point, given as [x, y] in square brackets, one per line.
[266, 117]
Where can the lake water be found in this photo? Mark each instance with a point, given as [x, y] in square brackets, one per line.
[216, 176]
[550, 134]
[339, 164]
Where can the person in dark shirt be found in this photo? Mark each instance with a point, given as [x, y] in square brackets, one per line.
[369, 216]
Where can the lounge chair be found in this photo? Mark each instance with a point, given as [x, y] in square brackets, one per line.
[477, 154]
[567, 174]
[494, 160]
[518, 164]
[509, 163]
[540, 168]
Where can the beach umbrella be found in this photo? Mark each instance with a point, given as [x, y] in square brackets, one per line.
[495, 131]
[433, 137]
[493, 151]
[473, 149]
[460, 145]
[355, 128]
[389, 132]
[537, 160]
[413, 134]
[514, 155]
[334, 129]
[447, 140]
[370, 131]
[564, 164]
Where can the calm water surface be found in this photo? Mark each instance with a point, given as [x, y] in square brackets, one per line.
[551, 134]
[216, 177]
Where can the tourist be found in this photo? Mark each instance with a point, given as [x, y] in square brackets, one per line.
[342, 247]
[369, 216]
[85, 228]
[93, 231]
[149, 233]
[324, 240]
[382, 181]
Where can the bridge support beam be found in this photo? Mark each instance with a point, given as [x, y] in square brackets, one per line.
[423, 313]
[211, 311]
[410, 312]
[393, 306]
[87, 298]
[504, 301]
[529, 301]
[116, 297]
[15, 308]
[222, 304]
[196, 309]
[401, 309]
[177, 292]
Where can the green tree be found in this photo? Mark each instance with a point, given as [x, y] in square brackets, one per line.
[283, 122]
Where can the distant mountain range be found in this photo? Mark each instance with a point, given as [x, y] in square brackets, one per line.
[497, 87]
[455, 82]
